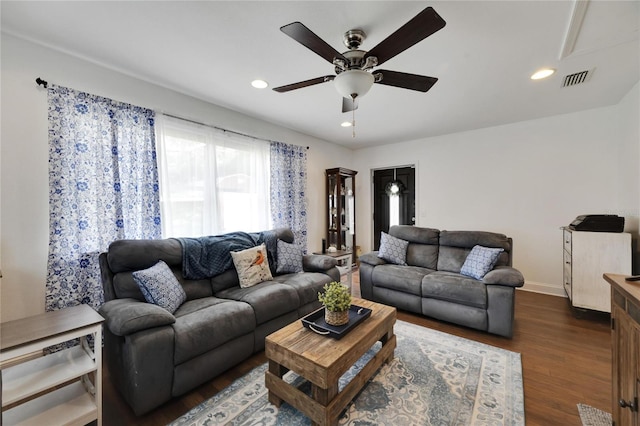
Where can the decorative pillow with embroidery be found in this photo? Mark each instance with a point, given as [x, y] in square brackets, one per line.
[289, 258]
[160, 287]
[252, 265]
[392, 249]
[479, 261]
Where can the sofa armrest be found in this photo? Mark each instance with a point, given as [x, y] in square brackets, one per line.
[127, 316]
[318, 263]
[372, 259]
[504, 275]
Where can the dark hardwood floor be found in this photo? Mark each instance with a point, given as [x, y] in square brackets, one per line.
[566, 360]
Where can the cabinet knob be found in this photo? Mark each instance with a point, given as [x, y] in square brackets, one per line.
[632, 405]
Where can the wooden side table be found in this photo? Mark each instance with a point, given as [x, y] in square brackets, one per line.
[625, 349]
[64, 387]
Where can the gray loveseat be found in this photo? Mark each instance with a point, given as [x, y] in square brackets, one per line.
[431, 284]
[154, 355]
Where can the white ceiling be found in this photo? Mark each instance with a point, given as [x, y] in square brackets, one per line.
[483, 57]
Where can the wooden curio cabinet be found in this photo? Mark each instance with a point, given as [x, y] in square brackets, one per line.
[341, 209]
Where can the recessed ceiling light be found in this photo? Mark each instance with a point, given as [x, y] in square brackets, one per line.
[543, 73]
[346, 124]
[259, 84]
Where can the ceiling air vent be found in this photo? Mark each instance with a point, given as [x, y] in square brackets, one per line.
[576, 78]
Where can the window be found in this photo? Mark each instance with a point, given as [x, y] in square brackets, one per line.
[211, 181]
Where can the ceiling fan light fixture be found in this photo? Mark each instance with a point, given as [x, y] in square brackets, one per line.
[346, 124]
[353, 84]
[259, 84]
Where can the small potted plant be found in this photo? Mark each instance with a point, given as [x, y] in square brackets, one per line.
[336, 300]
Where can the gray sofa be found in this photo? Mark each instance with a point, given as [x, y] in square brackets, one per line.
[431, 284]
[154, 355]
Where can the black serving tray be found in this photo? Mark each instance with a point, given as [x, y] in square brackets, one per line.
[315, 322]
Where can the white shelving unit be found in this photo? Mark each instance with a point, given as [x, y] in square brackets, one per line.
[62, 388]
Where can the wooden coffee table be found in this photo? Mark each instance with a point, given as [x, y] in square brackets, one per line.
[323, 360]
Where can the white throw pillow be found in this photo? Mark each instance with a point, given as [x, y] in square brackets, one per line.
[252, 265]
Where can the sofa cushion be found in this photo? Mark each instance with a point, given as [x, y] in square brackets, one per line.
[423, 244]
[252, 265]
[289, 258]
[451, 259]
[415, 234]
[504, 275]
[468, 239]
[133, 255]
[128, 316]
[201, 330]
[480, 261]
[160, 287]
[392, 249]
[318, 262]
[225, 280]
[307, 285]
[124, 286]
[422, 255]
[456, 245]
[406, 279]
[268, 299]
[455, 288]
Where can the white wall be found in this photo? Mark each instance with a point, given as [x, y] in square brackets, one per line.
[525, 180]
[629, 167]
[24, 220]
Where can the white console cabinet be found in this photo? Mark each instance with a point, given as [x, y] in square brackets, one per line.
[61, 388]
[587, 256]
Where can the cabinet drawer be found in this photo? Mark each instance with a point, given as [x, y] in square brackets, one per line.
[567, 281]
[567, 259]
[567, 241]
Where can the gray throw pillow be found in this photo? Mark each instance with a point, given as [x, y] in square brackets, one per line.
[289, 258]
[479, 261]
[160, 287]
[392, 249]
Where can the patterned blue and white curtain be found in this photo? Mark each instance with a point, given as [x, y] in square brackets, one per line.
[103, 186]
[288, 189]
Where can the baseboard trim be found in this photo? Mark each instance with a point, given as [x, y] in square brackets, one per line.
[543, 288]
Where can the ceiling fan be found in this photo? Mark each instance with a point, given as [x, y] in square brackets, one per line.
[354, 68]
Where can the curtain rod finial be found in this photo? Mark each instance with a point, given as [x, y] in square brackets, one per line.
[41, 82]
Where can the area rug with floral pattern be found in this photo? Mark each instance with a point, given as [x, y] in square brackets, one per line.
[434, 379]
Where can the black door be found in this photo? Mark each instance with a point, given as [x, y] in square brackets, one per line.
[381, 205]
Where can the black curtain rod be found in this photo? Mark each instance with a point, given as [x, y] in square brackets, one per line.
[218, 128]
[44, 83]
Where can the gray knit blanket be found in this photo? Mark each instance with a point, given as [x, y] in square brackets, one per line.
[206, 257]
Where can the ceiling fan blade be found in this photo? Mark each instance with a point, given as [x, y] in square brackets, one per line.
[405, 80]
[417, 29]
[349, 105]
[310, 40]
[301, 84]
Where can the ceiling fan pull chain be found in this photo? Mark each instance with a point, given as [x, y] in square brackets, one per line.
[353, 121]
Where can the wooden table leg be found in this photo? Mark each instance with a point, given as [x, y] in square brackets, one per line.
[324, 397]
[279, 371]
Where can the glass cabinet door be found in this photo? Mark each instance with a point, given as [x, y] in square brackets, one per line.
[341, 202]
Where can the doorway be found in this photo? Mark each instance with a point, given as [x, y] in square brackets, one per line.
[393, 199]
